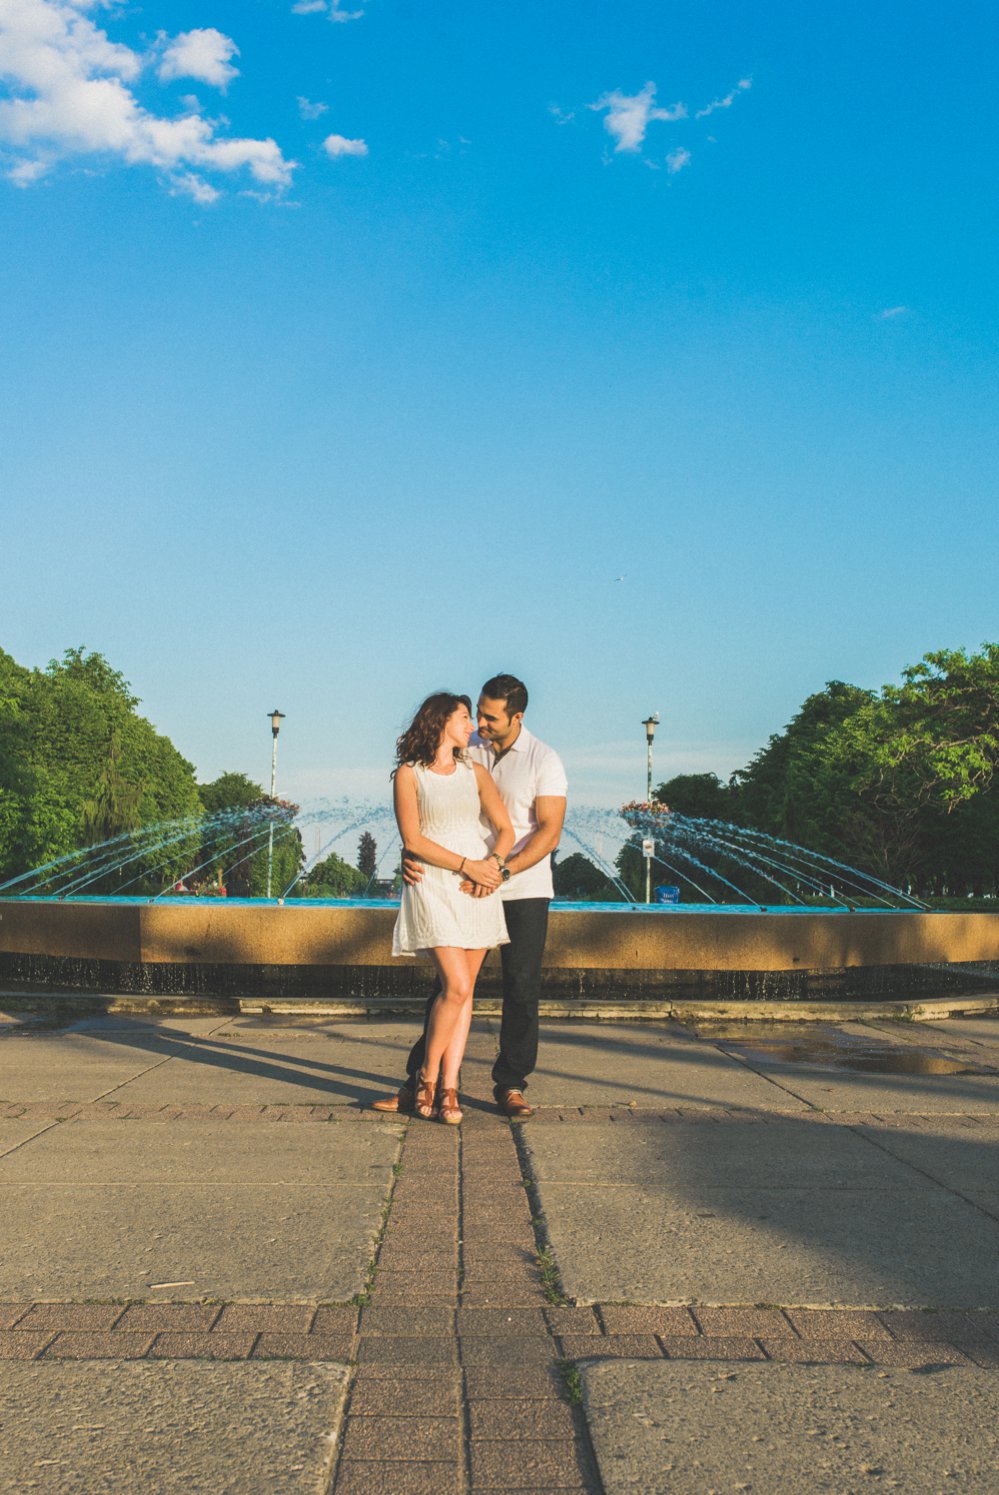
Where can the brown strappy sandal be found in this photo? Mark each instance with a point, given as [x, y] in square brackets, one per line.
[449, 1109]
[425, 1104]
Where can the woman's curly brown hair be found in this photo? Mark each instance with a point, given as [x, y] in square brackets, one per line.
[422, 738]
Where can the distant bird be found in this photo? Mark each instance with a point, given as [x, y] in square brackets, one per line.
[620, 578]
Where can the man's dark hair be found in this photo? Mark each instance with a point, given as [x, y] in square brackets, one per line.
[509, 689]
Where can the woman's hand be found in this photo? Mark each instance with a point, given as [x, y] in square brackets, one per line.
[486, 873]
[474, 890]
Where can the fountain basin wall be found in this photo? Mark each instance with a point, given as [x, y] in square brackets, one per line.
[324, 950]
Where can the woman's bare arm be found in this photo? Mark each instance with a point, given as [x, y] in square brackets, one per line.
[407, 815]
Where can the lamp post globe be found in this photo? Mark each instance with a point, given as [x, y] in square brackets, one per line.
[277, 717]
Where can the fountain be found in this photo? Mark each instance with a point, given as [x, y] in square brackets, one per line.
[143, 914]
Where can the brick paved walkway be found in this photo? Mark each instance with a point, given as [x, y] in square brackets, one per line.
[462, 1348]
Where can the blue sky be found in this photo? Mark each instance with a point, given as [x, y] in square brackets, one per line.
[350, 355]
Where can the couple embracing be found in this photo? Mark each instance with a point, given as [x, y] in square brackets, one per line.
[480, 813]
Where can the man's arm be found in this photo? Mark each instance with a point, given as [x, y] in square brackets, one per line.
[549, 812]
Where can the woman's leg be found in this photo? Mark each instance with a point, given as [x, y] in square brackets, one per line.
[449, 1010]
[455, 1051]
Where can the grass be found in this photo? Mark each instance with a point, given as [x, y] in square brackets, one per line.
[571, 1381]
[551, 1284]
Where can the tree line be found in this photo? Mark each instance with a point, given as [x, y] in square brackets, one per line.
[899, 782]
[81, 768]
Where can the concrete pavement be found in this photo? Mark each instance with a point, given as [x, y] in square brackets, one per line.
[203, 1230]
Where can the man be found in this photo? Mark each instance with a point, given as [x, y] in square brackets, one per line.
[532, 785]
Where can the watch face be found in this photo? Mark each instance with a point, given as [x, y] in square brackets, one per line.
[505, 874]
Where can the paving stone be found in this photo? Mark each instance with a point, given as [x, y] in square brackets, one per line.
[812, 1351]
[487, 1254]
[11, 1312]
[17, 1345]
[335, 1318]
[400, 1296]
[96, 1316]
[501, 1322]
[202, 1346]
[980, 1352]
[502, 1296]
[425, 1210]
[154, 1317]
[537, 1382]
[115, 1345]
[336, 1347]
[753, 1321]
[837, 1323]
[940, 1326]
[519, 1418]
[481, 1206]
[402, 1438]
[572, 1321]
[911, 1353]
[506, 1353]
[679, 1347]
[632, 1346]
[408, 1322]
[385, 1477]
[476, 1271]
[416, 1398]
[410, 1259]
[422, 1241]
[434, 1279]
[395, 1350]
[538, 1466]
[377, 1370]
[626, 1320]
[281, 1318]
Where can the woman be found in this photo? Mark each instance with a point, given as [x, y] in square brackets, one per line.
[441, 800]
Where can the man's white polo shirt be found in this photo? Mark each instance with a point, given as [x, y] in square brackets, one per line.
[530, 768]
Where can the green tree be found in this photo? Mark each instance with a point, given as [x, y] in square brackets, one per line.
[367, 854]
[701, 795]
[578, 879]
[79, 765]
[236, 838]
[334, 878]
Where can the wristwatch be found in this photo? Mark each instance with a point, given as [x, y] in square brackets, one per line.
[503, 868]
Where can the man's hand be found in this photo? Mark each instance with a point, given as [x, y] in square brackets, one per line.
[412, 869]
[475, 890]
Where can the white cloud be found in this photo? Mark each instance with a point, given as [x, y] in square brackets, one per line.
[23, 173]
[677, 160]
[70, 97]
[330, 8]
[203, 54]
[189, 184]
[892, 311]
[339, 145]
[629, 115]
[561, 116]
[308, 110]
[727, 102]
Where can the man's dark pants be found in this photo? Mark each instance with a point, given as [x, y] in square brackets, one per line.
[527, 926]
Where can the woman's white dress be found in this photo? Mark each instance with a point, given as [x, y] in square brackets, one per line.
[435, 912]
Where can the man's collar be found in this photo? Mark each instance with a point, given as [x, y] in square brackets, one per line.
[520, 744]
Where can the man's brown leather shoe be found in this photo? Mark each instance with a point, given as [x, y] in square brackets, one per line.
[512, 1103]
[404, 1100]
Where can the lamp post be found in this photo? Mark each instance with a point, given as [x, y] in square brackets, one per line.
[650, 724]
[277, 717]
